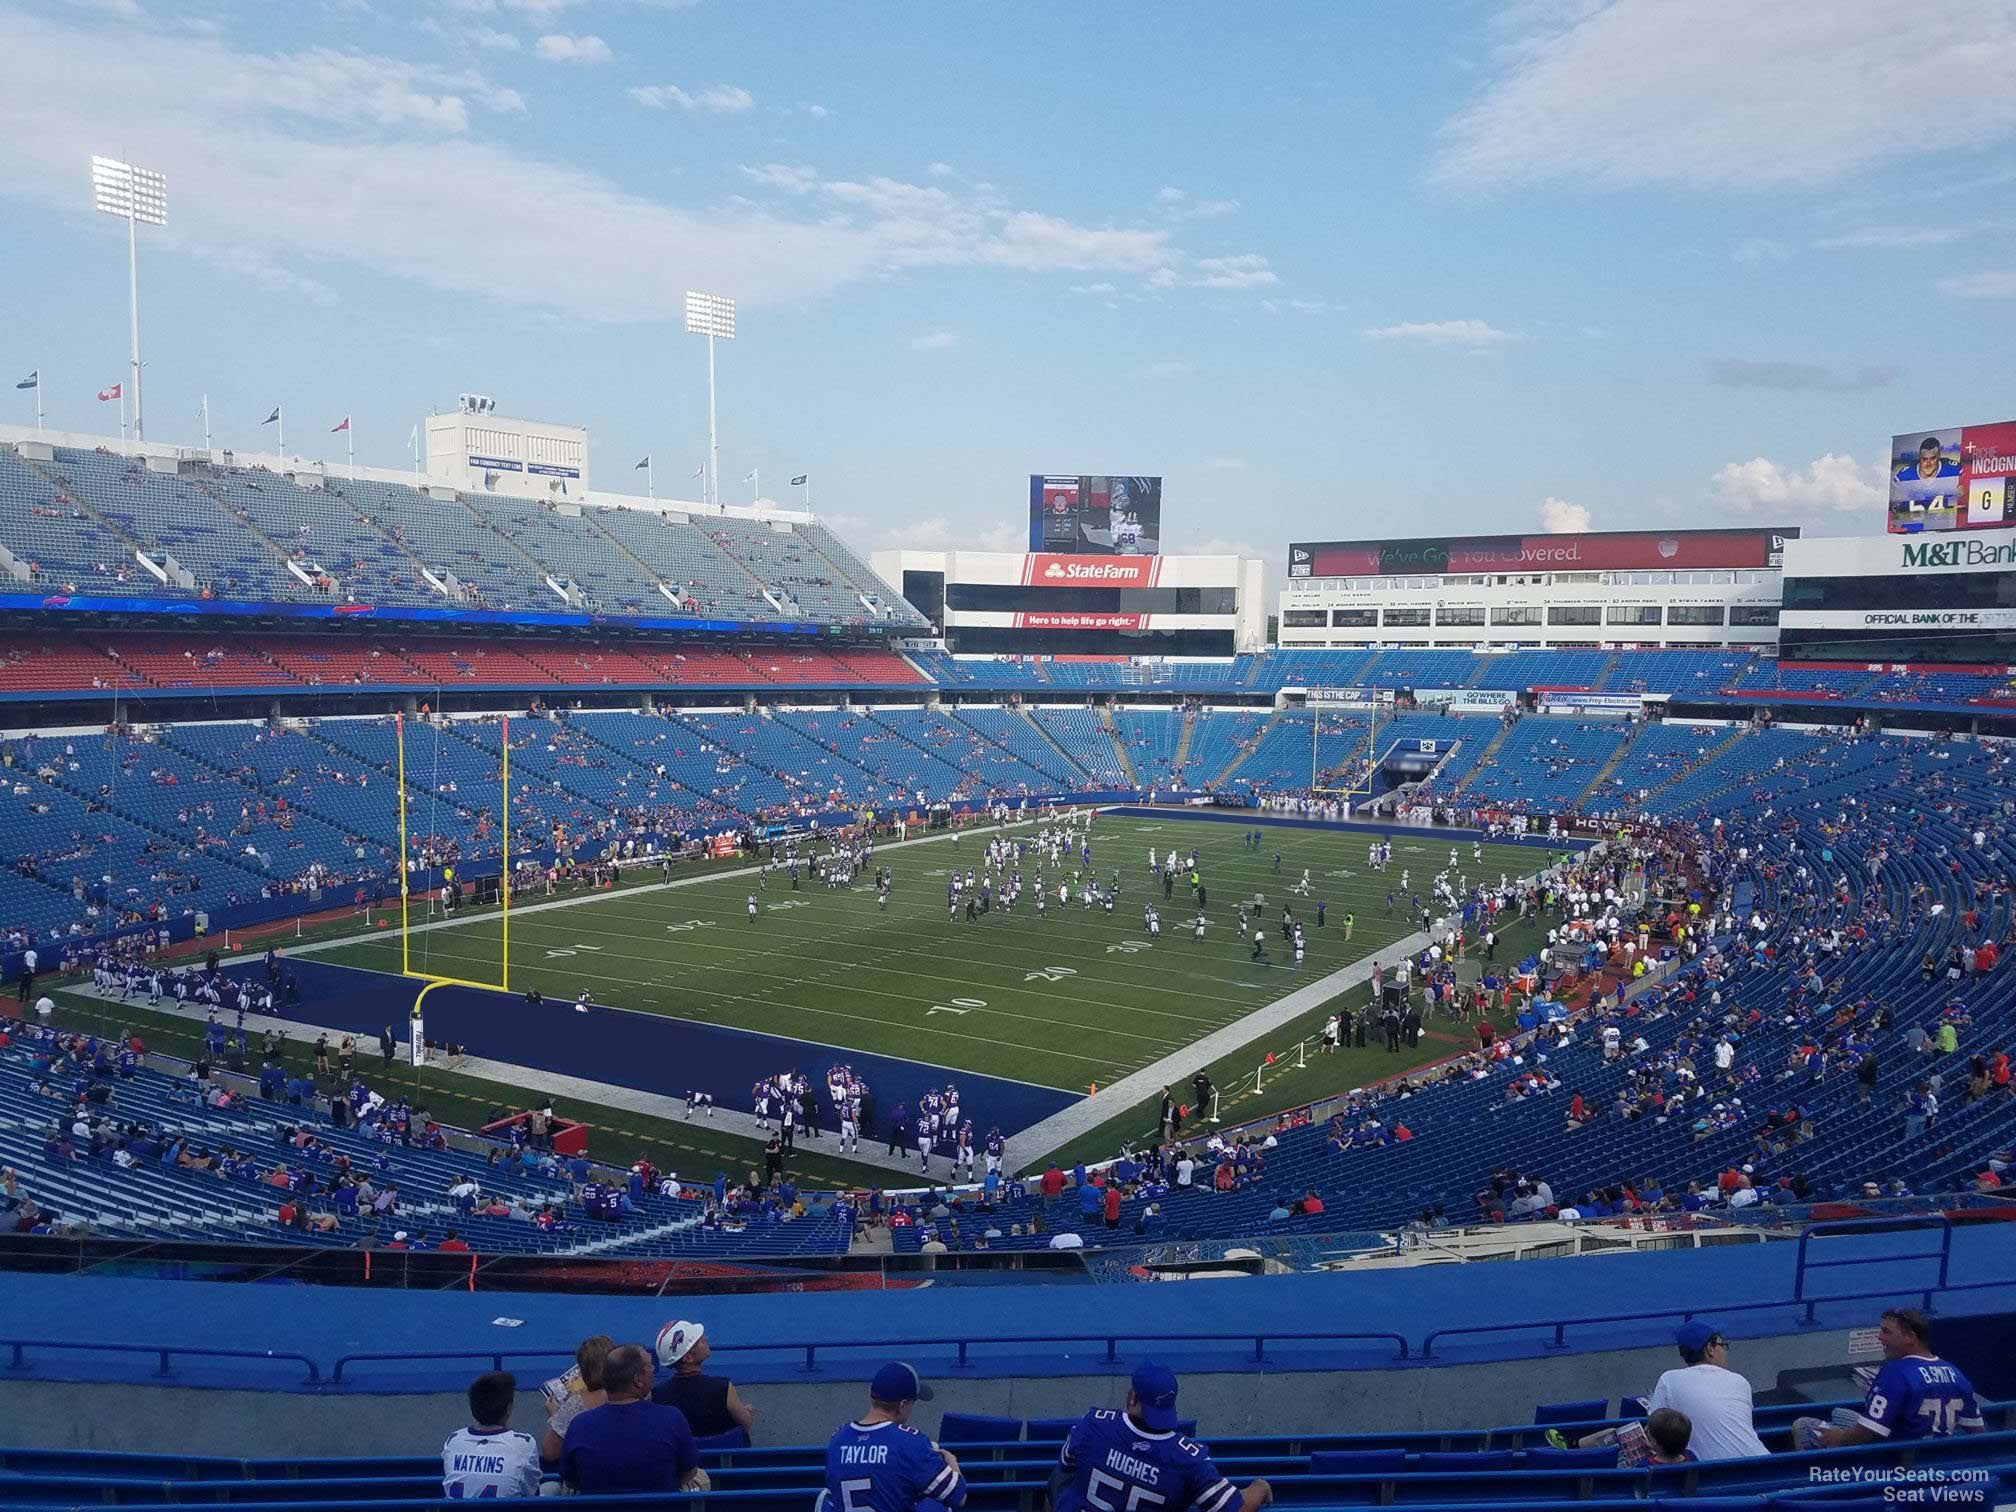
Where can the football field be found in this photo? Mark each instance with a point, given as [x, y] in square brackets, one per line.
[1058, 1001]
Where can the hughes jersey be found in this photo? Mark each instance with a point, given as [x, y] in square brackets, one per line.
[886, 1467]
[1920, 1397]
[1113, 1465]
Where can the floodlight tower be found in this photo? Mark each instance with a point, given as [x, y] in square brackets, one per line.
[712, 316]
[139, 196]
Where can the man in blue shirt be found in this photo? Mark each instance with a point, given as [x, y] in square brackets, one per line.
[630, 1443]
[1136, 1461]
[1915, 1395]
[879, 1463]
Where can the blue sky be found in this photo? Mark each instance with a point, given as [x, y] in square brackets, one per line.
[1333, 270]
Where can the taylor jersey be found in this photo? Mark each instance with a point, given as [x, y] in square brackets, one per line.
[886, 1467]
[489, 1463]
[1920, 1397]
[1114, 1465]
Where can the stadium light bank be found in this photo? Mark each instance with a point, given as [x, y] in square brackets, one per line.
[712, 316]
[139, 196]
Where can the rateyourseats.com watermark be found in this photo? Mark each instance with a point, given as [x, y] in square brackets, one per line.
[1931, 1486]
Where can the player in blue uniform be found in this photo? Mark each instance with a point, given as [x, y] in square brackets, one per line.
[1915, 1395]
[1136, 1461]
[879, 1463]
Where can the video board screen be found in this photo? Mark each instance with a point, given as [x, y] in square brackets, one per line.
[1959, 478]
[1095, 515]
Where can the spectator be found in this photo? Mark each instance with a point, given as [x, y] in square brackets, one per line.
[487, 1459]
[1915, 1395]
[629, 1443]
[1138, 1458]
[879, 1463]
[1715, 1400]
[711, 1403]
[568, 1396]
[1669, 1433]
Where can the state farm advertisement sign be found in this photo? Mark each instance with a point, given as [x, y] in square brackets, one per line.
[1043, 619]
[1050, 570]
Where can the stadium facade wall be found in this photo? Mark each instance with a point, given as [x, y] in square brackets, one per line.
[183, 1420]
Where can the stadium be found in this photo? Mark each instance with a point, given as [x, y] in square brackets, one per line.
[516, 985]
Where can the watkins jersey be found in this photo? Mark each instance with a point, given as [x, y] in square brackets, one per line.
[1117, 1466]
[886, 1467]
[494, 1462]
[1920, 1397]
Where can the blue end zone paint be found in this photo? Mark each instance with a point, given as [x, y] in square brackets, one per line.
[646, 1051]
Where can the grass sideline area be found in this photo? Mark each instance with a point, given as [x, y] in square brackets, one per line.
[695, 1149]
[1062, 1000]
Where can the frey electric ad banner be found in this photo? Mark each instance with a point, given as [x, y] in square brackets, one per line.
[1102, 515]
[1607, 551]
[1960, 478]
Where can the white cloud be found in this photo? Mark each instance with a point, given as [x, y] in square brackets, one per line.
[1467, 333]
[1093, 288]
[1181, 205]
[1889, 238]
[1559, 517]
[1247, 270]
[720, 99]
[939, 170]
[558, 47]
[2000, 285]
[783, 176]
[489, 37]
[937, 533]
[345, 154]
[1730, 93]
[1761, 249]
[1831, 484]
[933, 341]
[1300, 306]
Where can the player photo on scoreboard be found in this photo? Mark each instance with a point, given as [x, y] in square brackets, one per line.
[1925, 480]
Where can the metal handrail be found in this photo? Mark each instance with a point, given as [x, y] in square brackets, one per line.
[1808, 1319]
[18, 1354]
[962, 1344]
[1845, 1227]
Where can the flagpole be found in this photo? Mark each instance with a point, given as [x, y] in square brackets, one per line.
[756, 477]
[650, 480]
[122, 413]
[281, 411]
[806, 492]
[39, 380]
[350, 435]
[206, 422]
[413, 445]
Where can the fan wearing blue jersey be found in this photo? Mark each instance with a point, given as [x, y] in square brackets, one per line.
[1915, 1395]
[879, 1463]
[1136, 1461]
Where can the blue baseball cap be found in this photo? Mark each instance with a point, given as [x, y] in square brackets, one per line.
[1155, 1396]
[898, 1382]
[1696, 1335]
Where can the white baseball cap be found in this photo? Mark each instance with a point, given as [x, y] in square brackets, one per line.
[676, 1340]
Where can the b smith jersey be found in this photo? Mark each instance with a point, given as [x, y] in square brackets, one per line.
[1115, 1465]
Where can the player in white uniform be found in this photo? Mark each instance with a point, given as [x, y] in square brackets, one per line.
[488, 1461]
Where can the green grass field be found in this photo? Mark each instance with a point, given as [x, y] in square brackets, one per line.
[1064, 1000]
